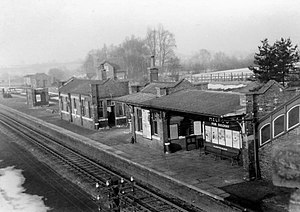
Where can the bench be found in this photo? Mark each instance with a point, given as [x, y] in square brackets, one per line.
[223, 152]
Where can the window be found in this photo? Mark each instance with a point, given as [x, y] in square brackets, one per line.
[67, 104]
[186, 127]
[38, 97]
[82, 107]
[61, 103]
[154, 124]
[88, 109]
[100, 110]
[278, 125]
[139, 120]
[293, 117]
[110, 103]
[74, 103]
[265, 134]
[120, 109]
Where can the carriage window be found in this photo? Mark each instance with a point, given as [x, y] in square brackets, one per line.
[265, 134]
[293, 117]
[278, 125]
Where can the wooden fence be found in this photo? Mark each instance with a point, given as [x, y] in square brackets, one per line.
[213, 77]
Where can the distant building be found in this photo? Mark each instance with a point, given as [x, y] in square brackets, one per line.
[89, 103]
[39, 80]
[37, 97]
[109, 70]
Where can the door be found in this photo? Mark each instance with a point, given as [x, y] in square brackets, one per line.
[111, 116]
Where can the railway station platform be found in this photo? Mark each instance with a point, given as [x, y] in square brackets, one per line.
[215, 177]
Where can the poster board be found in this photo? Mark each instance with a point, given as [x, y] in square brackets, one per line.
[235, 139]
[221, 136]
[228, 137]
[214, 135]
[174, 131]
[208, 133]
[197, 128]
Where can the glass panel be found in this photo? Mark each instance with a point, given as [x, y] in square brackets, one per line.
[265, 134]
[293, 116]
[278, 125]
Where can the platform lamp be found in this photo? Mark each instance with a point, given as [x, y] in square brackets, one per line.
[117, 191]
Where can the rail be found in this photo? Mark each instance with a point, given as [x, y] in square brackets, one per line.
[92, 172]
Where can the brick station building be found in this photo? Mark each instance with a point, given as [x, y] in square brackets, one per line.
[252, 122]
[89, 103]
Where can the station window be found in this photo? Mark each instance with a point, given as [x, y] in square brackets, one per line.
[38, 97]
[61, 103]
[265, 134]
[278, 125]
[139, 120]
[293, 116]
[67, 104]
[100, 110]
[120, 109]
[154, 124]
[88, 109]
[74, 103]
[83, 108]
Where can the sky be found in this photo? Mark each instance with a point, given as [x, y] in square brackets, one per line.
[38, 31]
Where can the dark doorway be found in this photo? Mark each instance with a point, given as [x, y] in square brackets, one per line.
[111, 116]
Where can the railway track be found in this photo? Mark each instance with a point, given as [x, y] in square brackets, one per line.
[110, 190]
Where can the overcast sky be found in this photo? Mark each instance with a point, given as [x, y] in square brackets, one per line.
[36, 31]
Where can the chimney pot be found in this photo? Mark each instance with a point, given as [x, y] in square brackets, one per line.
[152, 61]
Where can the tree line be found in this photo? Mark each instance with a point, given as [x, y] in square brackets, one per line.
[275, 61]
[133, 56]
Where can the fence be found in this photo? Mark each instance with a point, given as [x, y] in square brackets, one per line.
[220, 77]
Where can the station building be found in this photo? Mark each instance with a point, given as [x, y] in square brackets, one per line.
[89, 103]
[247, 124]
[38, 80]
[170, 116]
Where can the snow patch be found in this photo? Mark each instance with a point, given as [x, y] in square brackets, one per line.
[12, 196]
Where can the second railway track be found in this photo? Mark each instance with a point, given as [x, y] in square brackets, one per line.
[133, 197]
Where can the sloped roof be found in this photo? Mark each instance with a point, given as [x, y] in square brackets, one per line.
[199, 102]
[79, 86]
[148, 92]
[151, 87]
[266, 86]
[136, 98]
[113, 88]
[116, 66]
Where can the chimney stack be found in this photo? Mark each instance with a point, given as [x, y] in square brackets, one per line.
[152, 61]
[153, 71]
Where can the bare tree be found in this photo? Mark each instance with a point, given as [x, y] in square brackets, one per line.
[161, 43]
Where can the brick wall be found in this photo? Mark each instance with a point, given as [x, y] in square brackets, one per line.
[265, 152]
[258, 105]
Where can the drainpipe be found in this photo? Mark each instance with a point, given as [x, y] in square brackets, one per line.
[256, 165]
